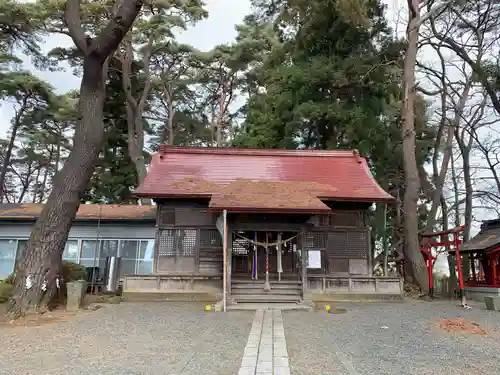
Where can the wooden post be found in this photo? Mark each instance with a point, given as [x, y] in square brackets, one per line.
[493, 262]
[278, 257]
[267, 285]
[456, 245]
[255, 257]
[370, 258]
[224, 272]
[229, 260]
[303, 257]
[473, 266]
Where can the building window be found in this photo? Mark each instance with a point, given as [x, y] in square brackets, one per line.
[128, 253]
[71, 251]
[137, 255]
[109, 248]
[146, 255]
[8, 249]
[89, 256]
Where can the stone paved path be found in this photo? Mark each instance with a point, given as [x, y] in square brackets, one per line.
[265, 352]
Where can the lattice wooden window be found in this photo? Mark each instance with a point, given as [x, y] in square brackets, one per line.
[186, 242]
[166, 243]
[210, 238]
[357, 244]
[315, 240]
[177, 243]
[336, 244]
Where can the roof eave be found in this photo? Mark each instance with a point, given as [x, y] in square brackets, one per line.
[80, 220]
[209, 195]
[358, 199]
[173, 196]
[269, 210]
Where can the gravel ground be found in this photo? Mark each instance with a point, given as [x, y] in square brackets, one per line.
[148, 338]
[411, 343]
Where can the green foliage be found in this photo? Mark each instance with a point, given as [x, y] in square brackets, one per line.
[72, 272]
[6, 290]
[333, 82]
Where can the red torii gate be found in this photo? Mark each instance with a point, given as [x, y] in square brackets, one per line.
[428, 241]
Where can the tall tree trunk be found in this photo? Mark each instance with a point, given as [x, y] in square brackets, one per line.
[45, 177]
[171, 114]
[37, 184]
[135, 108]
[384, 240]
[440, 176]
[37, 273]
[10, 147]
[415, 271]
[26, 182]
[42, 256]
[452, 280]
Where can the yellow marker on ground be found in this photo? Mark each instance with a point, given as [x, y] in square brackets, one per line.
[327, 308]
[208, 308]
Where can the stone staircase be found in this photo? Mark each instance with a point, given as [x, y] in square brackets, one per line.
[252, 292]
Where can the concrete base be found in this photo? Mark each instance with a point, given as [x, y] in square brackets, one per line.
[477, 293]
[354, 297]
[492, 303]
[75, 295]
[160, 296]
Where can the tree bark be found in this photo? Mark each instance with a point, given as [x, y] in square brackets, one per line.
[135, 108]
[416, 272]
[10, 147]
[37, 273]
[37, 184]
[439, 177]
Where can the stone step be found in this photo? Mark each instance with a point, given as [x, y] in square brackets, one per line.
[260, 290]
[267, 298]
[236, 281]
[261, 287]
[269, 306]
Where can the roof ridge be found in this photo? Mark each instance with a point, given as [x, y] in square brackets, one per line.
[165, 149]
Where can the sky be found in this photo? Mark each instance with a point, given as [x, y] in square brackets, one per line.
[218, 28]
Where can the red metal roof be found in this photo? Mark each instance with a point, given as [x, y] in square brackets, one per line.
[248, 195]
[207, 172]
[31, 211]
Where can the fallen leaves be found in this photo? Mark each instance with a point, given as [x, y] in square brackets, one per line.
[461, 325]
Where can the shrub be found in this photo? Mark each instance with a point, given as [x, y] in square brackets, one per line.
[6, 290]
[71, 271]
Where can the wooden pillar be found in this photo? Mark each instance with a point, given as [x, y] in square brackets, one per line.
[370, 257]
[229, 260]
[493, 263]
[303, 257]
[473, 266]
[156, 249]
[225, 257]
